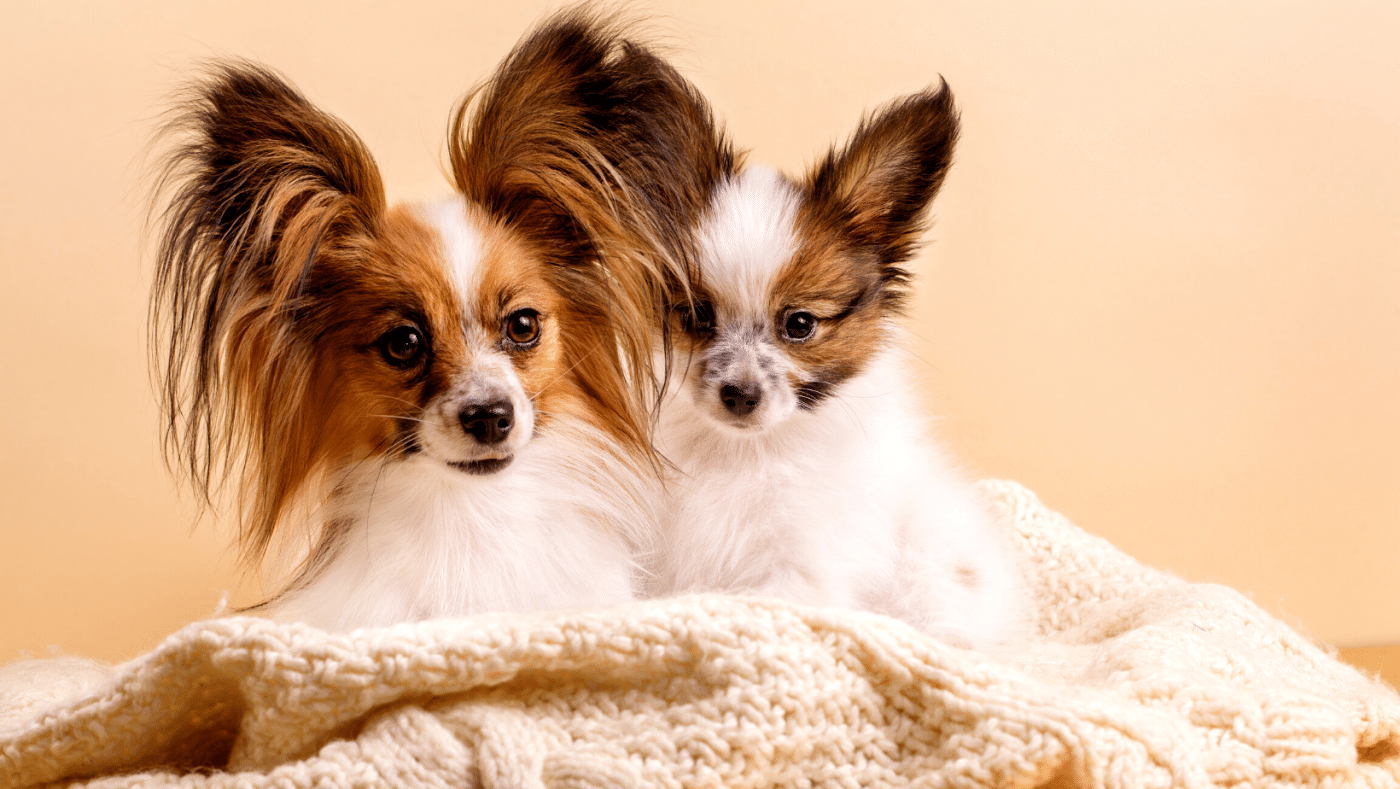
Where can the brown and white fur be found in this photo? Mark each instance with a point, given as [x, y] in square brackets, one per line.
[424, 410]
[801, 464]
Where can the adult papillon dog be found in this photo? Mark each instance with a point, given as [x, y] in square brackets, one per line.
[800, 463]
[420, 410]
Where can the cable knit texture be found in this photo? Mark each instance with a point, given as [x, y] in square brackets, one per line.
[1133, 679]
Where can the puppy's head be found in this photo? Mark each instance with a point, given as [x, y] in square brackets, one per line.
[796, 283]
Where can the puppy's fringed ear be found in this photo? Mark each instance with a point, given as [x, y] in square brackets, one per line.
[879, 186]
[264, 189]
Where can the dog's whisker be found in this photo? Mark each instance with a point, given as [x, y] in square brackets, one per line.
[401, 417]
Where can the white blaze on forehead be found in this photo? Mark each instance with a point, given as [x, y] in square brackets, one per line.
[747, 237]
[461, 246]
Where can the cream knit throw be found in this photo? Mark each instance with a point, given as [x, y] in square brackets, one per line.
[1134, 679]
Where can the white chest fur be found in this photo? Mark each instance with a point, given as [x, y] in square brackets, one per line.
[848, 505]
[424, 540]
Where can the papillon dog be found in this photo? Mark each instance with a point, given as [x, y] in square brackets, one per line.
[800, 466]
[424, 410]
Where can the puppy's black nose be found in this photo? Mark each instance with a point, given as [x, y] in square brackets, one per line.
[741, 400]
[489, 423]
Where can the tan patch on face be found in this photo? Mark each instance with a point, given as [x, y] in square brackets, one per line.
[397, 280]
[840, 287]
[514, 277]
[967, 576]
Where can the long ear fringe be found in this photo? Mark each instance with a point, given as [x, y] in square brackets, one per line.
[880, 184]
[673, 154]
[585, 138]
[260, 183]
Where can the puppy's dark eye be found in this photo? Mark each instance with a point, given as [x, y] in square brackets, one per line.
[697, 318]
[522, 328]
[402, 345]
[799, 325]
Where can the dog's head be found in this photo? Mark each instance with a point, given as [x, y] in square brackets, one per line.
[312, 330]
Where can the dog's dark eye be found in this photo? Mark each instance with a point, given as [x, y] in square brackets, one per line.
[697, 318]
[402, 345]
[799, 325]
[522, 329]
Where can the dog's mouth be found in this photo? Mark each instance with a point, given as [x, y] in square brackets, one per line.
[481, 467]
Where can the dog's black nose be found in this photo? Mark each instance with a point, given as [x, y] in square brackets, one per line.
[741, 400]
[489, 423]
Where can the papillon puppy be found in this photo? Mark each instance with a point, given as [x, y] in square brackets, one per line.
[800, 463]
[422, 410]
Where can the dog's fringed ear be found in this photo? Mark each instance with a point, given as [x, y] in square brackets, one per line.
[257, 165]
[668, 146]
[526, 145]
[879, 186]
[264, 191]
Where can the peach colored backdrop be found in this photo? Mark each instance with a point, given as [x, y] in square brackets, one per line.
[1163, 289]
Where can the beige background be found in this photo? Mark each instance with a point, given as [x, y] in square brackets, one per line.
[1163, 289]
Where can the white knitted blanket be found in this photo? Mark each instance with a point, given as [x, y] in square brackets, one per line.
[1134, 679]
